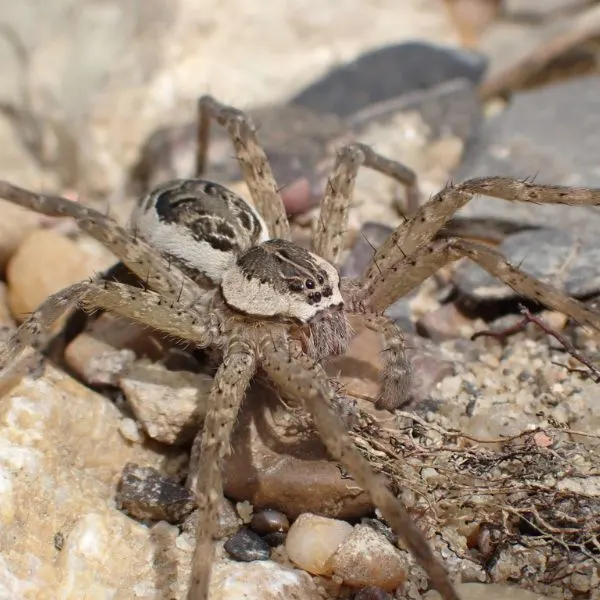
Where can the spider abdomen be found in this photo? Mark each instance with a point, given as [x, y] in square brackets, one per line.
[199, 223]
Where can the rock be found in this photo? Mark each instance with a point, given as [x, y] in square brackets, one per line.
[260, 580]
[269, 521]
[47, 262]
[279, 462]
[60, 454]
[312, 541]
[370, 237]
[247, 546]
[387, 73]
[359, 369]
[144, 493]
[366, 558]
[170, 405]
[566, 258]
[445, 323]
[526, 140]
[474, 591]
[109, 344]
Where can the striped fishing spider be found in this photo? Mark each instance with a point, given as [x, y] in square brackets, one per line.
[220, 273]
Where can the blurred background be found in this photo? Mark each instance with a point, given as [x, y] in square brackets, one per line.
[85, 82]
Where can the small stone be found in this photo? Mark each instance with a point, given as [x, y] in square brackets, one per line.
[260, 580]
[245, 510]
[445, 323]
[312, 541]
[170, 405]
[109, 344]
[144, 493]
[129, 430]
[246, 546]
[366, 558]
[47, 262]
[370, 237]
[269, 521]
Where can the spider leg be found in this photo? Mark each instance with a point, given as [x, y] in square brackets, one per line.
[226, 396]
[252, 158]
[398, 279]
[333, 219]
[423, 226]
[305, 380]
[136, 254]
[138, 304]
[397, 369]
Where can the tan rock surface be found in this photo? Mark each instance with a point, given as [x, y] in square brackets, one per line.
[47, 262]
[60, 456]
[144, 65]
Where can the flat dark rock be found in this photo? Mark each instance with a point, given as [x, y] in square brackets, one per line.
[387, 73]
[567, 259]
[144, 493]
[247, 546]
[552, 135]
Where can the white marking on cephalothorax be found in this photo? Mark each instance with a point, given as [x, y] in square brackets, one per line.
[252, 297]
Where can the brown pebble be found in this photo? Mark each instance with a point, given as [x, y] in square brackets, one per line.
[269, 521]
[366, 559]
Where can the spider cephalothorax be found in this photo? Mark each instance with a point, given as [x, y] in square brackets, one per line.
[218, 273]
[212, 233]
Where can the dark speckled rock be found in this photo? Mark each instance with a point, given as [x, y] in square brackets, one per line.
[567, 259]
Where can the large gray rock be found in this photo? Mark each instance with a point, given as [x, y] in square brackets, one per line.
[551, 135]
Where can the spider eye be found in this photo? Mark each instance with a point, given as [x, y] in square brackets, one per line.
[295, 287]
[310, 284]
[320, 279]
[210, 188]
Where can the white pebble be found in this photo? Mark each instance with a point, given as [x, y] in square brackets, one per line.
[260, 580]
[129, 429]
[312, 540]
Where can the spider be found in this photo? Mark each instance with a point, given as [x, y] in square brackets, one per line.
[220, 273]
